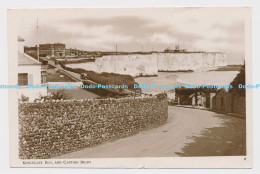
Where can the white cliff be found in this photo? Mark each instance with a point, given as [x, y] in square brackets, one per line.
[189, 61]
[132, 64]
[150, 64]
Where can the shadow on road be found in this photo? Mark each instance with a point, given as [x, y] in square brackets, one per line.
[229, 139]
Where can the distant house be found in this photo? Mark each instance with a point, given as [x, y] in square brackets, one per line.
[171, 94]
[47, 50]
[29, 72]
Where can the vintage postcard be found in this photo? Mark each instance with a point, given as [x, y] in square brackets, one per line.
[166, 87]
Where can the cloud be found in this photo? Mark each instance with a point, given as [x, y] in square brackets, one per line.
[136, 29]
[220, 29]
[235, 29]
[233, 35]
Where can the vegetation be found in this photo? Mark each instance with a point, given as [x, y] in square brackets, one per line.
[185, 93]
[105, 78]
[161, 96]
[23, 98]
[229, 68]
[105, 92]
[77, 61]
[60, 95]
[190, 91]
[239, 79]
[54, 95]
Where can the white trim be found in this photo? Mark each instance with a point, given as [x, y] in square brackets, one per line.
[36, 61]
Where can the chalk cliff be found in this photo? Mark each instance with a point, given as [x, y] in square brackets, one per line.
[150, 64]
[189, 61]
[134, 64]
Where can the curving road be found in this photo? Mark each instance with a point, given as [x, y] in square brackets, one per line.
[188, 132]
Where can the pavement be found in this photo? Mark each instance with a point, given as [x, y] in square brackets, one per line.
[188, 132]
[213, 110]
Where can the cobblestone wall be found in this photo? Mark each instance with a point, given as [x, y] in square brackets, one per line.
[53, 128]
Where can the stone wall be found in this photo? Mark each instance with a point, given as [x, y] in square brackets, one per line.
[53, 128]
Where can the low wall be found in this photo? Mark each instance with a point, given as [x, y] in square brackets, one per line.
[53, 128]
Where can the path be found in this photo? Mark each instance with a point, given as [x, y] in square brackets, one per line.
[188, 132]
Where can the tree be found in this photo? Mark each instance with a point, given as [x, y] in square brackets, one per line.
[240, 79]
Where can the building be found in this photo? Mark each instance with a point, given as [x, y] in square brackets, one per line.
[176, 50]
[47, 50]
[76, 53]
[31, 50]
[30, 72]
[59, 49]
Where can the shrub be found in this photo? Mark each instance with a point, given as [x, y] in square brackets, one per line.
[54, 95]
[239, 79]
[161, 96]
[23, 98]
[60, 95]
[105, 78]
[43, 97]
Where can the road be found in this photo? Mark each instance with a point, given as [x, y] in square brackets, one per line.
[188, 132]
[75, 76]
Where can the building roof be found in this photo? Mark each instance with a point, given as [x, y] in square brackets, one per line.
[24, 59]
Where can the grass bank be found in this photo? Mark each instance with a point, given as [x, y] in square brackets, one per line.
[105, 78]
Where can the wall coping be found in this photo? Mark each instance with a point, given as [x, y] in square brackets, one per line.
[82, 100]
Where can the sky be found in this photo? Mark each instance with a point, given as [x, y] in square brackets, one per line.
[101, 29]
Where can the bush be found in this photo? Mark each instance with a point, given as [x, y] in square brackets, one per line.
[239, 79]
[105, 78]
[24, 98]
[161, 96]
[54, 95]
[60, 95]
[105, 92]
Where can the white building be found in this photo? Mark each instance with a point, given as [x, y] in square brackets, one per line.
[29, 72]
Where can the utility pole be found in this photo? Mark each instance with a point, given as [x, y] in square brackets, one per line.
[142, 48]
[116, 49]
[38, 45]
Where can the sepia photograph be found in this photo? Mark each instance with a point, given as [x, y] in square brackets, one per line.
[163, 87]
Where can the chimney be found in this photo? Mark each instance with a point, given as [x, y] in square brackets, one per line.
[20, 45]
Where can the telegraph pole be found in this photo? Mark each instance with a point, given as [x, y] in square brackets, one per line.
[38, 45]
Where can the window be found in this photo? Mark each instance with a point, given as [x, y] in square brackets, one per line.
[23, 79]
